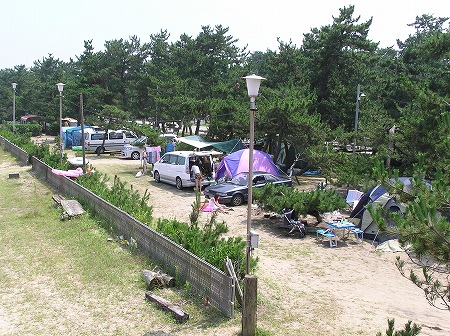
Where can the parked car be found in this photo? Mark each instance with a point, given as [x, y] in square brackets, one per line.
[134, 149]
[114, 141]
[169, 137]
[235, 191]
[175, 167]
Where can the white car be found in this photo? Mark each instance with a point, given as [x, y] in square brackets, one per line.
[169, 137]
[135, 149]
[175, 167]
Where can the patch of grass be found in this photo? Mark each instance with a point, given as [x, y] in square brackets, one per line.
[67, 277]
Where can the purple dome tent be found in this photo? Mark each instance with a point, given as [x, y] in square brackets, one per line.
[237, 162]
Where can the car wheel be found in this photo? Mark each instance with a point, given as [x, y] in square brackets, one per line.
[157, 177]
[100, 150]
[135, 155]
[237, 199]
[178, 183]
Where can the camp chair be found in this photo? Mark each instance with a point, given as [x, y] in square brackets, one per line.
[359, 234]
[288, 220]
[331, 237]
[329, 234]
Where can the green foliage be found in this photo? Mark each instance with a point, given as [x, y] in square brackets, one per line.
[408, 331]
[43, 152]
[424, 225]
[276, 198]
[205, 242]
[33, 129]
[119, 195]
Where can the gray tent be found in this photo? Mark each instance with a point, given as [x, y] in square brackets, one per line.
[377, 196]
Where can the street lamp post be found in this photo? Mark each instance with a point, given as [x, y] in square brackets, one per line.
[60, 89]
[358, 98]
[249, 306]
[14, 85]
[253, 83]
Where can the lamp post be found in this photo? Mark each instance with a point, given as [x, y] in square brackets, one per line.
[358, 98]
[60, 87]
[253, 83]
[249, 306]
[14, 85]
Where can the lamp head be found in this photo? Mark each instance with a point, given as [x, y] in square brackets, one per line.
[361, 95]
[14, 85]
[253, 82]
[60, 87]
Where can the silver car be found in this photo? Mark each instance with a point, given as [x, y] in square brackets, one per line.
[135, 149]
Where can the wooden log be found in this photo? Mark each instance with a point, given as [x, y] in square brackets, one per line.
[179, 315]
[157, 279]
[72, 207]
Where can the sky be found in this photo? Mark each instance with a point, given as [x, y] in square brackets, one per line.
[30, 30]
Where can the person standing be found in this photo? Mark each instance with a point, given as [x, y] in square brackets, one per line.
[195, 169]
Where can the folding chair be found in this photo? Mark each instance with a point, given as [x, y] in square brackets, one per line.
[331, 237]
[320, 233]
[359, 234]
[288, 220]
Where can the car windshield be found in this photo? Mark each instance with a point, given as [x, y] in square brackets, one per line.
[142, 140]
[240, 179]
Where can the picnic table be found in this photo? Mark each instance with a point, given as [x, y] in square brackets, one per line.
[343, 225]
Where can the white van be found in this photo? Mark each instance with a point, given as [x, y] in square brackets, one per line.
[175, 167]
[114, 141]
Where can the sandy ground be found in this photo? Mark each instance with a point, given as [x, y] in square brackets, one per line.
[304, 284]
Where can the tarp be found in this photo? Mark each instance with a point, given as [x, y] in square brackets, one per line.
[237, 162]
[391, 245]
[228, 147]
[72, 136]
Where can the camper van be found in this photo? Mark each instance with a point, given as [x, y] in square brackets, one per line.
[114, 141]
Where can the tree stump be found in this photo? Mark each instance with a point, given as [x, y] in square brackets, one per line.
[157, 279]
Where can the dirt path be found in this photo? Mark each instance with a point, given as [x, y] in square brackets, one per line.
[305, 287]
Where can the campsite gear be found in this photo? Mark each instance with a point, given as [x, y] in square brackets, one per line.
[353, 197]
[198, 142]
[343, 225]
[290, 220]
[237, 162]
[359, 234]
[329, 234]
[69, 173]
[378, 195]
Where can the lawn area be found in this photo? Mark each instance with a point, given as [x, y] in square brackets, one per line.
[67, 278]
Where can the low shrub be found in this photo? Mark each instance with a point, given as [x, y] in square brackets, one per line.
[276, 198]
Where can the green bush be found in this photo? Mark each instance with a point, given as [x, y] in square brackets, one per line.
[205, 242]
[125, 199]
[276, 198]
[409, 330]
[34, 129]
[43, 152]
